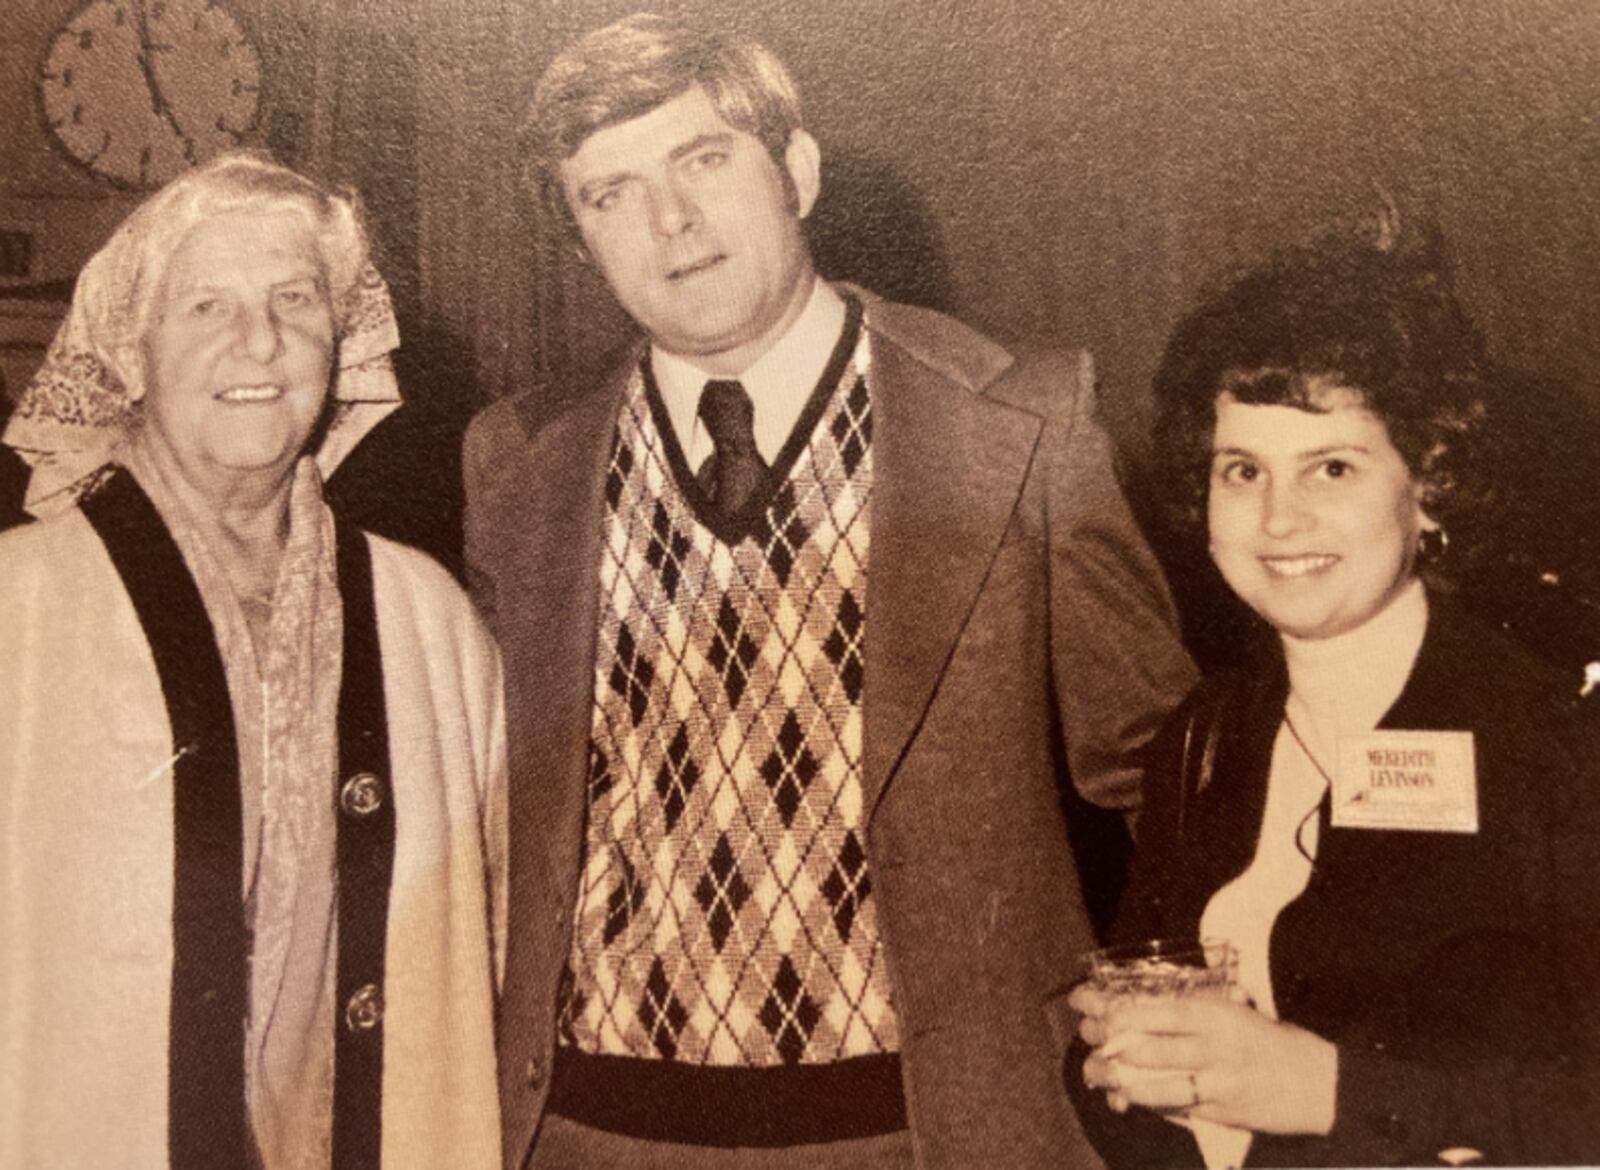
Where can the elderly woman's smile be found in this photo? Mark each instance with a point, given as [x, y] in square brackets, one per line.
[239, 352]
[265, 393]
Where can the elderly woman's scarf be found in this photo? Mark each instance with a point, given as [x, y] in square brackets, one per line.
[285, 696]
[75, 413]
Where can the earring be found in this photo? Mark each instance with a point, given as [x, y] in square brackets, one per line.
[1432, 544]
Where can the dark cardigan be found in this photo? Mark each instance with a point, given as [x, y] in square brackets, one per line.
[1459, 975]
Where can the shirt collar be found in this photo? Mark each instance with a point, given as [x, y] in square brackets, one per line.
[779, 382]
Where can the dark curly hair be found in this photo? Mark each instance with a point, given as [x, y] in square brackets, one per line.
[1381, 320]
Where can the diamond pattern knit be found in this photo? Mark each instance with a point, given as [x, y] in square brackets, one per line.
[725, 914]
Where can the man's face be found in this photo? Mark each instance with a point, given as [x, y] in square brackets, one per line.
[696, 229]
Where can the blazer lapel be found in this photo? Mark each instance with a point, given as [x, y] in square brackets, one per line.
[949, 465]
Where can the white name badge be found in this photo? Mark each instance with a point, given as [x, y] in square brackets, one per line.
[1425, 781]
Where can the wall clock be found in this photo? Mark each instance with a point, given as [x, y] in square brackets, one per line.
[140, 90]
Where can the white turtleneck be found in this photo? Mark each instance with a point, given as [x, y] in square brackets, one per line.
[1338, 686]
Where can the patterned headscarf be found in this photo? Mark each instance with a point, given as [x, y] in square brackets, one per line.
[82, 403]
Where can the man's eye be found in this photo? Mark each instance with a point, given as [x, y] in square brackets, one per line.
[1336, 469]
[208, 307]
[707, 160]
[295, 298]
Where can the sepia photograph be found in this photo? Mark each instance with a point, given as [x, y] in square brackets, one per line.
[776, 585]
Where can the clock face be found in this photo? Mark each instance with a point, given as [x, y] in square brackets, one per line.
[140, 90]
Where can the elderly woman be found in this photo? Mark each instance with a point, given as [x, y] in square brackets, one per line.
[252, 757]
[1392, 815]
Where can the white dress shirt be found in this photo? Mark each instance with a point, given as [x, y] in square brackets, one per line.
[779, 382]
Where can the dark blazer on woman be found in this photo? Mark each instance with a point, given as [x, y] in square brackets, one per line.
[1459, 974]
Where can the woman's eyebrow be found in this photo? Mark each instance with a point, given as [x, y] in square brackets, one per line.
[1334, 449]
[185, 288]
[208, 283]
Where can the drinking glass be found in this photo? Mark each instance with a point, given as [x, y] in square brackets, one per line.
[1165, 967]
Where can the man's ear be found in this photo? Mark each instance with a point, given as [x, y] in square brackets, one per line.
[802, 158]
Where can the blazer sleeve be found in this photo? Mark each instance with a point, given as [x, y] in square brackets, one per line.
[1117, 664]
[1140, 1138]
[485, 494]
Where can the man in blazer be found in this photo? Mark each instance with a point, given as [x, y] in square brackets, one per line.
[806, 611]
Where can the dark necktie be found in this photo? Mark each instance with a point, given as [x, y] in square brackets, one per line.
[734, 470]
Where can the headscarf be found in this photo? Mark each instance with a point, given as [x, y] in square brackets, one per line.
[81, 404]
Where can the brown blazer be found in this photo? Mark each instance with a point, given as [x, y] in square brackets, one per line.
[1015, 618]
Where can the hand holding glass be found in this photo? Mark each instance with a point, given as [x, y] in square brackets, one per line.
[1158, 967]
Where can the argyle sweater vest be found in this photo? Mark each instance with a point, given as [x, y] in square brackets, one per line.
[725, 915]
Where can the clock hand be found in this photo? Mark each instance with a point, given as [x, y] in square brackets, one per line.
[105, 145]
[158, 102]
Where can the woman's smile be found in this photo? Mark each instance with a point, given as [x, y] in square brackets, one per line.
[1299, 566]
